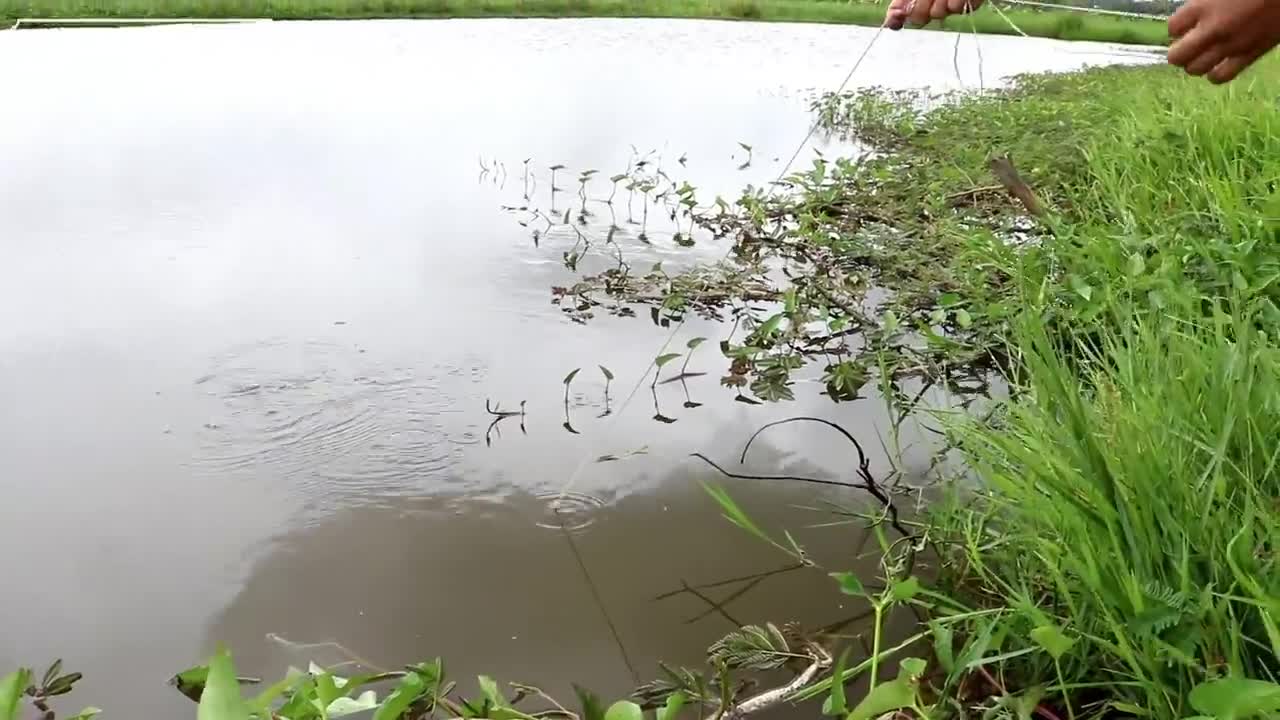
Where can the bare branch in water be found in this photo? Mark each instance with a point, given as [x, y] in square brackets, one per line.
[864, 469]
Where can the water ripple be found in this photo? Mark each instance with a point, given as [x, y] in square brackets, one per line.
[338, 419]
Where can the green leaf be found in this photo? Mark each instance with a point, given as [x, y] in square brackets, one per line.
[617, 178]
[849, 584]
[890, 322]
[911, 668]
[569, 378]
[410, 688]
[1025, 703]
[773, 388]
[664, 359]
[608, 374]
[734, 513]
[11, 688]
[893, 695]
[489, 689]
[51, 673]
[943, 645]
[904, 590]
[1235, 697]
[1136, 265]
[1053, 640]
[770, 326]
[695, 342]
[62, 685]
[624, 710]
[261, 703]
[1238, 281]
[221, 697]
[1082, 288]
[592, 709]
[344, 706]
[675, 701]
[948, 299]
[836, 703]
[963, 318]
[86, 713]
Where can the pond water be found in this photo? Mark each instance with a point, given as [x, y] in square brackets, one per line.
[255, 295]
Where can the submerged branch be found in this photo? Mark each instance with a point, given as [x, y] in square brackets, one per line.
[769, 698]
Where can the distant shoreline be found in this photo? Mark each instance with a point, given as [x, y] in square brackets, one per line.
[1058, 24]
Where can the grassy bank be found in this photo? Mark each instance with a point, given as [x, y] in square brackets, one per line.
[1064, 25]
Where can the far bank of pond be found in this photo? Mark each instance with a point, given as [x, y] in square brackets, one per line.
[1063, 25]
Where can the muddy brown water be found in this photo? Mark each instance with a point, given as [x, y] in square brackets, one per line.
[254, 296]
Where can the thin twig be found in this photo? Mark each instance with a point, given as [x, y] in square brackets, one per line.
[714, 605]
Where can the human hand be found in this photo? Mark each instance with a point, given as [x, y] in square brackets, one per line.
[1221, 38]
[920, 12]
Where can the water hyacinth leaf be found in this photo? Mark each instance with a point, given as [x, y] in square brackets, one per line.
[665, 358]
[11, 688]
[572, 374]
[669, 711]
[343, 706]
[608, 374]
[592, 708]
[1235, 697]
[557, 166]
[617, 178]
[1053, 640]
[221, 697]
[695, 342]
[850, 584]
[86, 713]
[624, 710]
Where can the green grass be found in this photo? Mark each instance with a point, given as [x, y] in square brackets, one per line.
[1129, 494]
[1065, 25]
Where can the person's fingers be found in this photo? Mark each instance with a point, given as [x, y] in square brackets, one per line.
[1206, 61]
[1181, 22]
[1190, 46]
[896, 15]
[919, 14]
[939, 9]
[1228, 69]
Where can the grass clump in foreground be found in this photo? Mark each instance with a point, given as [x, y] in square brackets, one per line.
[1051, 24]
[1126, 528]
